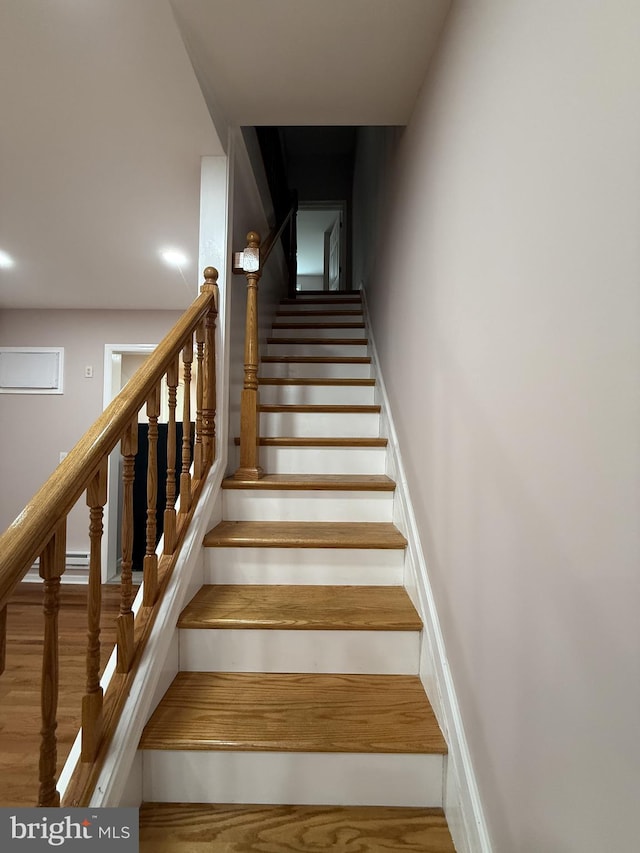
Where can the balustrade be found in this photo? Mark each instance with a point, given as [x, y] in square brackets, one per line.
[39, 531]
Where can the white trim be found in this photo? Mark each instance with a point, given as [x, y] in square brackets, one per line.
[462, 803]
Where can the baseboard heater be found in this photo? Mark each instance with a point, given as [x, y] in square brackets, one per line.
[73, 560]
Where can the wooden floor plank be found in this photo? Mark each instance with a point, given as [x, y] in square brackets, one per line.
[186, 828]
[20, 683]
[304, 534]
[318, 608]
[294, 712]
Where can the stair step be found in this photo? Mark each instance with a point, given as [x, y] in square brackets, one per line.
[315, 482]
[313, 409]
[318, 420]
[342, 342]
[294, 712]
[311, 394]
[318, 380]
[331, 347]
[320, 312]
[312, 608]
[316, 359]
[184, 828]
[293, 534]
[317, 441]
[321, 367]
[323, 300]
[337, 629]
[316, 325]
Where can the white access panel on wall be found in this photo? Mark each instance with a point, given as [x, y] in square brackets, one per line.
[31, 370]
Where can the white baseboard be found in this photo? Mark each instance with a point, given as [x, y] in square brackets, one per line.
[462, 804]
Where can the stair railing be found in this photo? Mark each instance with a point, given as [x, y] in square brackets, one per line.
[39, 532]
[250, 263]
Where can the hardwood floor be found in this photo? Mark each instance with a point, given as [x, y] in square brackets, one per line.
[182, 828]
[20, 683]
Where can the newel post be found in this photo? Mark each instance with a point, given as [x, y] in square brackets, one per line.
[209, 391]
[249, 263]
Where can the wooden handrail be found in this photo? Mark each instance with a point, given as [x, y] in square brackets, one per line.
[24, 540]
[251, 262]
[40, 529]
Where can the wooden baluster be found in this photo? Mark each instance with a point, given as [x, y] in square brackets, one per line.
[170, 529]
[52, 565]
[150, 563]
[198, 449]
[92, 700]
[249, 402]
[209, 393]
[129, 448]
[185, 475]
[3, 639]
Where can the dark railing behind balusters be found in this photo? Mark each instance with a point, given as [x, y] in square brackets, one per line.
[40, 532]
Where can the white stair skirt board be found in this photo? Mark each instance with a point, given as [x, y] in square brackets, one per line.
[324, 424]
[312, 332]
[322, 460]
[278, 650]
[319, 370]
[371, 779]
[318, 395]
[323, 566]
[328, 350]
[306, 505]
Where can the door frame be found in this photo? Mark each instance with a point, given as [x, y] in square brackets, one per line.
[340, 206]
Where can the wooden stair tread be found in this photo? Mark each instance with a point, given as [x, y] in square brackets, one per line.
[312, 325]
[319, 441]
[294, 712]
[317, 608]
[318, 312]
[319, 381]
[316, 359]
[187, 828]
[316, 482]
[324, 300]
[347, 342]
[317, 408]
[305, 534]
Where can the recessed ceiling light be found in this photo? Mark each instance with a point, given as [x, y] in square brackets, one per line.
[174, 257]
[6, 260]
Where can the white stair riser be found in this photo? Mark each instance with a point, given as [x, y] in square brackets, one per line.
[328, 566]
[319, 333]
[330, 319]
[322, 460]
[202, 776]
[318, 395]
[302, 370]
[304, 505]
[275, 650]
[328, 350]
[324, 424]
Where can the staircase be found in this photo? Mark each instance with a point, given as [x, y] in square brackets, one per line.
[299, 693]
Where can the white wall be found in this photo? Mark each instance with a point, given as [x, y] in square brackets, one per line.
[36, 428]
[506, 309]
[247, 214]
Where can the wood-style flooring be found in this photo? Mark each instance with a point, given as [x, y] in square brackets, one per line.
[20, 683]
[294, 712]
[182, 828]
